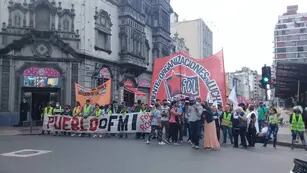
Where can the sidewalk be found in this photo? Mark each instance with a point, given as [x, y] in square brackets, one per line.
[8, 131]
[284, 137]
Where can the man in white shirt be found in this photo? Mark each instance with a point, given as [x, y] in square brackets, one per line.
[194, 117]
[164, 118]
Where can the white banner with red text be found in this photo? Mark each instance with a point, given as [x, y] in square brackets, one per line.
[115, 123]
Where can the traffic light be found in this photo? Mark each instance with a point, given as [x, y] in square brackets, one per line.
[266, 76]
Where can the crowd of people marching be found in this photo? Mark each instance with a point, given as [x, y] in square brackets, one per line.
[194, 120]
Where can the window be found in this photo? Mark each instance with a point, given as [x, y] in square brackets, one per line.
[302, 30]
[101, 40]
[287, 20]
[66, 25]
[283, 32]
[280, 50]
[302, 43]
[165, 20]
[17, 20]
[300, 49]
[103, 26]
[281, 26]
[42, 18]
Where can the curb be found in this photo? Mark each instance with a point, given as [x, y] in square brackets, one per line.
[287, 144]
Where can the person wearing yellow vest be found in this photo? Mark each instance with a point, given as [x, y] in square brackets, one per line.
[297, 126]
[98, 111]
[226, 124]
[87, 109]
[77, 110]
[58, 110]
[48, 112]
[273, 127]
[110, 109]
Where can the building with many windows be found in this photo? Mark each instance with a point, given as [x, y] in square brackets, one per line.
[46, 46]
[196, 34]
[290, 56]
[291, 35]
[247, 85]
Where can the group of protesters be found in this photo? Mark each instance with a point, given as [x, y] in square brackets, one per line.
[193, 120]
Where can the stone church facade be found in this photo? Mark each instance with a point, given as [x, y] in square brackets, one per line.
[46, 46]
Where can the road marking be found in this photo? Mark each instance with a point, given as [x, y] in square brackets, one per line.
[25, 153]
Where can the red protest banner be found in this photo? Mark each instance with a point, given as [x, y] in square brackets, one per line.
[179, 75]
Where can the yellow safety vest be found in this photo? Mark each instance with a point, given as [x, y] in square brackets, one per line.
[273, 119]
[76, 110]
[58, 110]
[48, 111]
[226, 121]
[297, 124]
[86, 109]
[98, 112]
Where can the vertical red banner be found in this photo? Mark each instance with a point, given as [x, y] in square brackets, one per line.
[179, 75]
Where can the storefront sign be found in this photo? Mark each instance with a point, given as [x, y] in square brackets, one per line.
[41, 77]
[144, 83]
[129, 83]
[115, 123]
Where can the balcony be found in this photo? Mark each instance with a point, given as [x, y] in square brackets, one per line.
[130, 61]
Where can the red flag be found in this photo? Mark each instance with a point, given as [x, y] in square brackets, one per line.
[179, 75]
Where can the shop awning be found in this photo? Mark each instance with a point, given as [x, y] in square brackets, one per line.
[135, 91]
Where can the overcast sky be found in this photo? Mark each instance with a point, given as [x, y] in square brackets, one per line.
[243, 28]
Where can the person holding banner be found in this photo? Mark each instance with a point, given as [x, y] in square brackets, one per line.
[48, 112]
[141, 109]
[87, 109]
[98, 113]
[58, 110]
[124, 112]
[77, 110]
[110, 109]
[156, 124]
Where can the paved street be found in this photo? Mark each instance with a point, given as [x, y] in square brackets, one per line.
[78, 155]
